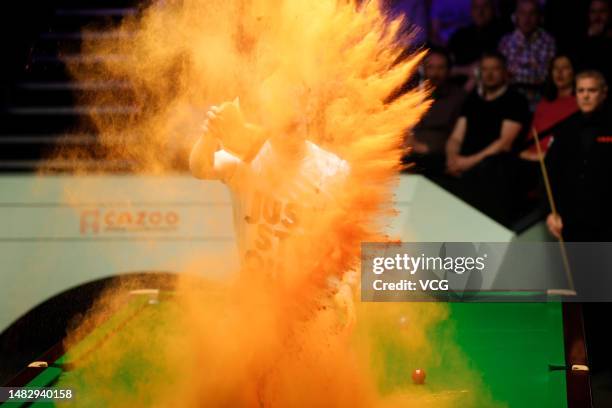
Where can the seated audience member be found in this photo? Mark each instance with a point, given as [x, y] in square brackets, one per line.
[428, 138]
[579, 163]
[599, 19]
[478, 150]
[468, 43]
[594, 51]
[528, 50]
[447, 16]
[558, 103]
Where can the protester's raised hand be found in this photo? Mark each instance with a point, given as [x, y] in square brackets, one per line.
[225, 122]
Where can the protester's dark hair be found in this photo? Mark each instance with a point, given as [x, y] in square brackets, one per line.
[550, 89]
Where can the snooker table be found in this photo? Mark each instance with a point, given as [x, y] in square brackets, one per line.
[523, 353]
[521, 350]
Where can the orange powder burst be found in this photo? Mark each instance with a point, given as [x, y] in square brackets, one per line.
[330, 67]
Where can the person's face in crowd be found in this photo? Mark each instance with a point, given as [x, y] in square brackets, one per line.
[482, 12]
[562, 73]
[493, 74]
[599, 16]
[590, 94]
[436, 69]
[527, 17]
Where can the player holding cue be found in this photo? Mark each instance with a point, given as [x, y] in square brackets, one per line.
[579, 164]
[276, 183]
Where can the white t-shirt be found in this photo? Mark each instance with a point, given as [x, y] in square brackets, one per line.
[270, 197]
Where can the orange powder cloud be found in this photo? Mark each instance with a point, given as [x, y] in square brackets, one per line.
[329, 66]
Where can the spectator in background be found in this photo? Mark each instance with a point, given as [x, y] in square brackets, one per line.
[599, 19]
[478, 150]
[469, 42]
[594, 52]
[447, 16]
[558, 104]
[528, 50]
[428, 138]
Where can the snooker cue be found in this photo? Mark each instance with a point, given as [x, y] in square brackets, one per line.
[553, 207]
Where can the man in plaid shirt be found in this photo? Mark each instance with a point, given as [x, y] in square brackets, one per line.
[528, 50]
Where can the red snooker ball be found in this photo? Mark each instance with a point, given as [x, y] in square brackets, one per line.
[418, 376]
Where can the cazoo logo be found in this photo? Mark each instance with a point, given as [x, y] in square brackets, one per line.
[98, 221]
